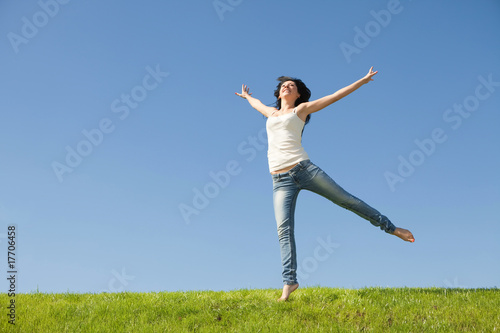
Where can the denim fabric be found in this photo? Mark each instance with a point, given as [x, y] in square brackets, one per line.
[308, 176]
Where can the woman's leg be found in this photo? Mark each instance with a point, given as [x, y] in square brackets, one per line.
[319, 182]
[285, 194]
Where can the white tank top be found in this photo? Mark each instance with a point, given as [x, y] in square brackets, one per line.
[284, 135]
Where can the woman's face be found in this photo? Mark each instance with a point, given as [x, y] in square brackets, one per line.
[289, 88]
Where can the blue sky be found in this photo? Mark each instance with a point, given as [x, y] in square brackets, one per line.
[118, 118]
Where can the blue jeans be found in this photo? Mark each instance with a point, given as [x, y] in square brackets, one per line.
[286, 187]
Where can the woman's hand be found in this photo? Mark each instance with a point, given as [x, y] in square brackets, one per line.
[321, 103]
[244, 92]
[254, 102]
[368, 77]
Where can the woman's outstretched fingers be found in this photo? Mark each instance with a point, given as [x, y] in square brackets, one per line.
[369, 77]
[244, 92]
[404, 234]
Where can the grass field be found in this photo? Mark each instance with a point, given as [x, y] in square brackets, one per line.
[308, 309]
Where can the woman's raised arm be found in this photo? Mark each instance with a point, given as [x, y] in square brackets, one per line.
[254, 102]
[321, 103]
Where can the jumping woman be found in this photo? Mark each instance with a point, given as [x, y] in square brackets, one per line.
[292, 171]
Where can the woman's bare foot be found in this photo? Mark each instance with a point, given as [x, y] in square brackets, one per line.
[404, 234]
[287, 290]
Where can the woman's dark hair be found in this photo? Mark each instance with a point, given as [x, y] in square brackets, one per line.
[304, 92]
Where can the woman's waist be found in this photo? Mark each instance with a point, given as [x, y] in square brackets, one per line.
[284, 169]
[291, 168]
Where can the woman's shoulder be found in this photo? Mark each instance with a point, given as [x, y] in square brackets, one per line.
[273, 111]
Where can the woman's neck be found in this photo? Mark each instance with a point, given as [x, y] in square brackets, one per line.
[287, 105]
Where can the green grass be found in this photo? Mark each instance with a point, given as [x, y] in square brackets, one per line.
[309, 309]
